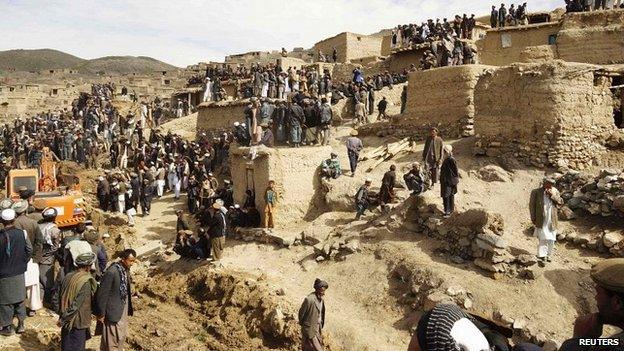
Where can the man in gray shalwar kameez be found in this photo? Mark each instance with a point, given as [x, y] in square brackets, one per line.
[15, 252]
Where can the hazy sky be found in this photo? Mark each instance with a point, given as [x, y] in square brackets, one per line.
[184, 32]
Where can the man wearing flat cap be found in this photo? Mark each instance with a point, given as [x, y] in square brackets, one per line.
[312, 317]
[543, 208]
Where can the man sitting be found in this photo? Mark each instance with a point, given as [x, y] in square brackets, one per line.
[414, 180]
[330, 168]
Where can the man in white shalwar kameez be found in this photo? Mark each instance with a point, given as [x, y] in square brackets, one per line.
[207, 90]
[543, 207]
[34, 300]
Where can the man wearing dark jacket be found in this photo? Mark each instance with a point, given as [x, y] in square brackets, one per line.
[432, 153]
[15, 252]
[31, 227]
[312, 317]
[113, 303]
[216, 231]
[103, 192]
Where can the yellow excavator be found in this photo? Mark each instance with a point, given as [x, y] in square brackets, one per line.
[68, 201]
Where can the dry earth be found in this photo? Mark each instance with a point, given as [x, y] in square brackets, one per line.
[185, 305]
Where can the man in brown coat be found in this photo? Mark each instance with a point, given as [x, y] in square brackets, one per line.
[24, 222]
[432, 154]
[312, 317]
[543, 208]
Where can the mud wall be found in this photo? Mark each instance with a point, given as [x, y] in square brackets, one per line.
[492, 52]
[593, 37]
[295, 172]
[544, 114]
[349, 46]
[401, 60]
[219, 117]
[443, 97]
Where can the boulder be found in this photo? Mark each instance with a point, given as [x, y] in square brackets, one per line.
[493, 173]
[478, 220]
[612, 238]
[566, 214]
[526, 260]
[434, 298]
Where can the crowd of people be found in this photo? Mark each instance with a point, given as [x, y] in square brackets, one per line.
[504, 17]
[592, 5]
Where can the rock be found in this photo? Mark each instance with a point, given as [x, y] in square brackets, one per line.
[457, 260]
[611, 238]
[280, 292]
[434, 298]
[352, 246]
[493, 173]
[566, 214]
[309, 265]
[320, 258]
[526, 260]
[618, 203]
[489, 266]
[530, 273]
[519, 324]
[374, 232]
[492, 239]
[276, 323]
[455, 290]
[467, 303]
[551, 345]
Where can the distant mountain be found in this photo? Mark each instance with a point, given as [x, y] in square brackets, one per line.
[35, 60]
[123, 64]
[42, 59]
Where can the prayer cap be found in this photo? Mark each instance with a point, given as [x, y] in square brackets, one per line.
[236, 124]
[8, 214]
[448, 148]
[6, 203]
[609, 274]
[85, 259]
[20, 206]
[216, 205]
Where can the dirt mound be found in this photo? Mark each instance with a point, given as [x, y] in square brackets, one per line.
[234, 310]
[186, 127]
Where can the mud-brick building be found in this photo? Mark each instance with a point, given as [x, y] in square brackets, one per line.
[350, 46]
[549, 114]
[217, 117]
[591, 37]
[442, 97]
[294, 170]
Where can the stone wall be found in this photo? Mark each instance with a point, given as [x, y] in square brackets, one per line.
[492, 52]
[443, 97]
[401, 60]
[295, 172]
[218, 117]
[543, 114]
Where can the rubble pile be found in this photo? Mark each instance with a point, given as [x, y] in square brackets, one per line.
[474, 235]
[602, 195]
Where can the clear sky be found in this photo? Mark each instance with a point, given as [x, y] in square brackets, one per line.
[184, 32]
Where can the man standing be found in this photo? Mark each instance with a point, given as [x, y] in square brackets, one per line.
[354, 146]
[24, 222]
[15, 252]
[381, 106]
[312, 317]
[493, 17]
[361, 199]
[326, 116]
[75, 295]
[543, 208]
[386, 192]
[432, 154]
[295, 120]
[113, 302]
[404, 99]
[216, 231]
[270, 197]
[502, 15]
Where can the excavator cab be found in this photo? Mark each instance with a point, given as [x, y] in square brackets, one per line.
[69, 204]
